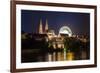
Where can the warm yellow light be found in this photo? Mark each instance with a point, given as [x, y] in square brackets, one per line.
[70, 56]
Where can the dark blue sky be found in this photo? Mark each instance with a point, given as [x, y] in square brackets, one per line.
[79, 23]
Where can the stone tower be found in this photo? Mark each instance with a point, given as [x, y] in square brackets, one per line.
[46, 26]
[40, 28]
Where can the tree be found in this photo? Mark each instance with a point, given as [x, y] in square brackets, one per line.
[73, 45]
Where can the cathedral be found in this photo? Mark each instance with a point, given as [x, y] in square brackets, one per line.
[64, 30]
[57, 40]
[48, 46]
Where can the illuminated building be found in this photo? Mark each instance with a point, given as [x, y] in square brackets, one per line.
[51, 47]
[56, 50]
[46, 26]
[40, 28]
[57, 41]
[65, 30]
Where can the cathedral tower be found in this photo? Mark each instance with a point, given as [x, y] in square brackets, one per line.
[40, 28]
[46, 26]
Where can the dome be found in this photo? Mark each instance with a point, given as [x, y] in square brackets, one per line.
[65, 30]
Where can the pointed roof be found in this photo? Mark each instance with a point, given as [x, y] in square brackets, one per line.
[40, 27]
[46, 26]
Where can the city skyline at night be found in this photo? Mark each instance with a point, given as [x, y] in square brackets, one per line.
[54, 36]
[79, 23]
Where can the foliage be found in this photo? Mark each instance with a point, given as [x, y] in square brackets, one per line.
[72, 44]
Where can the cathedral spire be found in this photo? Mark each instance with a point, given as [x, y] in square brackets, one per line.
[46, 26]
[40, 27]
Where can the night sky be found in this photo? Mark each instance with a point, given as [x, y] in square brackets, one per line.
[79, 23]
